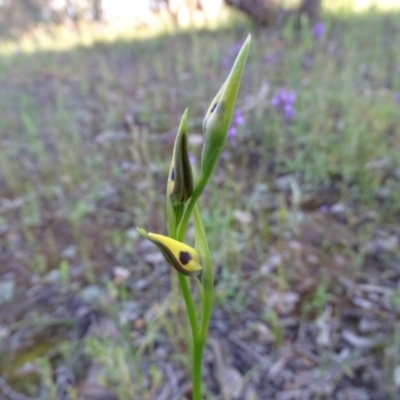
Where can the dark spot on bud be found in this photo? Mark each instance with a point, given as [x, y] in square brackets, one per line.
[184, 257]
[173, 174]
[213, 107]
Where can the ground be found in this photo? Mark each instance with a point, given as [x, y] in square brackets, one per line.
[302, 214]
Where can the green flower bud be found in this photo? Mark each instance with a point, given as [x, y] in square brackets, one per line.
[219, 115]
[182, 257]
[180, 178]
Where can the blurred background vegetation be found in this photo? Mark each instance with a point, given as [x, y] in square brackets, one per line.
[302, 215]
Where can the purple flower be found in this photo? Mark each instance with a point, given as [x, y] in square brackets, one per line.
[288, 112]
[192, 159]
[237, 121]
[318, 30]
[238, 118]
[291, 97]
[396, 97]
[275, 101]
[232, 133]
[283, 100]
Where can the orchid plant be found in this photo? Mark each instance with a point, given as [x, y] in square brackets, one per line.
[183, 192]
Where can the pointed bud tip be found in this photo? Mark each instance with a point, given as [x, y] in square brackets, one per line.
[183, 121]
[141, 232]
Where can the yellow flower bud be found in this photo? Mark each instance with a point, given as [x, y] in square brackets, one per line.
[182, 257]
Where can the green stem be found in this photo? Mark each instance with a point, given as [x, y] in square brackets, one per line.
[198, 190]
[199, 332]
[191, 311]
[207, 277]
[198, 346]
[206, 302]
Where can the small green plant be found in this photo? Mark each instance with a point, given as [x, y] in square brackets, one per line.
[182, 195]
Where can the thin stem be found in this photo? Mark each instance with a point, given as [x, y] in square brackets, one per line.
[191, 311]
[207, 278]
[185, 219]
[206, 300]
[198, 346]
[199, 333]
[198, 190]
